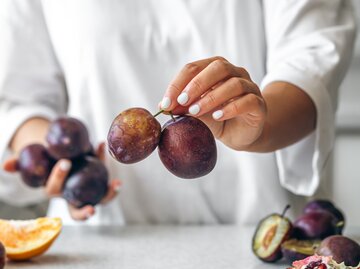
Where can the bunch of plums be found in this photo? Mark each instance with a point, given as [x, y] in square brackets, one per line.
[317, 231]
[67, 138]
[185, 144]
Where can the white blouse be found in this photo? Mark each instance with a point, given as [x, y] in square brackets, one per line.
[92, 59]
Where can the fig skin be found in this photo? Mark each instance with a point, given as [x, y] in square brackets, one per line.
[326, 205]
[277, 253]
[315, 225]
[341, 248]
[35, 164]
[68, 138]
[187, 147]
[2, 256]
[87, 183]
[134, 134]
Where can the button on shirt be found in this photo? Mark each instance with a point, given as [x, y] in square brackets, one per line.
[92, 59]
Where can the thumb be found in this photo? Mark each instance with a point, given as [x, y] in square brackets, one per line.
[10, 165]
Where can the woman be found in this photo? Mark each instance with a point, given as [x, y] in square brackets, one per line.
[273, 90]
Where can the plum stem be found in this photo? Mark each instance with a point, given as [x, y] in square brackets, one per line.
[172, 116]
[284, 211]
[158, 113]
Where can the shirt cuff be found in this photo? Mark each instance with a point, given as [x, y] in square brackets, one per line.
[12, 190]
[302, 165]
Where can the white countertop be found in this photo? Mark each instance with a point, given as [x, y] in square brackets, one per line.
[146, 247]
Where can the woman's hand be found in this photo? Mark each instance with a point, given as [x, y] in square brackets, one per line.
[221, 95]
[57, 178]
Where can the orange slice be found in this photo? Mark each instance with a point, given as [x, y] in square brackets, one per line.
[25, 239]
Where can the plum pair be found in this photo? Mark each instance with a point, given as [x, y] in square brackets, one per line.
[67, 138]
[185, 144]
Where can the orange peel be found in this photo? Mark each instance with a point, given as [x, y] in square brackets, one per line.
[25, 239]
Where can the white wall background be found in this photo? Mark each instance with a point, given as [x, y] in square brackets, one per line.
[346, 185]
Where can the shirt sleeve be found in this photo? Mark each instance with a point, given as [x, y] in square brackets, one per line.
[31, 83]
[309, 44]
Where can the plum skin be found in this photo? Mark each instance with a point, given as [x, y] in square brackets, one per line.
[315, 225]
[342, 249]
[134, 134]
[35, 164]
[187, 147]
[2, 256]
[67, 138]
[87, 183]
[325, 205]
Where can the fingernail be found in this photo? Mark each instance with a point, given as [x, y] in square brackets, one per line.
[165, 103]
[183, 98]
[65, 165]
[117, 188]
[218, 114]
[194, 109]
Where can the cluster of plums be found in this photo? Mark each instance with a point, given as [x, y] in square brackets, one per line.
[67, 138]
[185, 144]
[317, 231]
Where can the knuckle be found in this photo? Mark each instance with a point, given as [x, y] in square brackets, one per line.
[237, 83]
[192, 68]
[210, 99]
[173, 88]
[235, 107]
[243, 72]
[220, 58]
[197, 84]
[221, 66]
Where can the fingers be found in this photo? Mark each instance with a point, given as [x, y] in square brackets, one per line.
[251, 105]
[57, 177]
[234, 87]
[114, 187]
[10, 165]
[177, 85]
[81, 213]
[100, 151]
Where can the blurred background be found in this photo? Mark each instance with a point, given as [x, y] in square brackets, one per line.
[346, 173]
[346, 159]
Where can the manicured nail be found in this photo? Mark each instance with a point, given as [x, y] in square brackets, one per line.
[165, 103]
[183, 98]
[218, 114]
[65, 165]
[194, 109]
[117, 188]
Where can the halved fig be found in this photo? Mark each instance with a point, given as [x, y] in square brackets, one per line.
[271, 232]
[294, 249]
